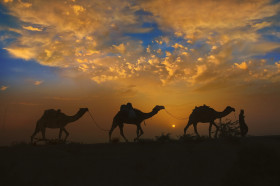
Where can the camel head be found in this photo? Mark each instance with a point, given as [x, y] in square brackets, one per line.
[83, 110]
[158, 108]
[229, 109]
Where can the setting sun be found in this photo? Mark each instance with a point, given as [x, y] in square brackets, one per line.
[173, 126]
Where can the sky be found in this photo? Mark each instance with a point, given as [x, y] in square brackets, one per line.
[101, 54]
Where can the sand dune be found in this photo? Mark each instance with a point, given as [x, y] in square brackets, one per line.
[246, 161]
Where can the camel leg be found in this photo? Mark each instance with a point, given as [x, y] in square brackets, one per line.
[210, 128]
[195, 128]
[186, 128]
[217, 129]
[114, 125]
[43, 130]
[67, 133]
[121, 131]
[33, 135]
[60, 133]
[139, 132]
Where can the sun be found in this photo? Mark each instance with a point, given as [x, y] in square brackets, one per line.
[173, 126]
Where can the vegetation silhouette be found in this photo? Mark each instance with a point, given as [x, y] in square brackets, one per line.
[228, 129]
[123, 117]
[164, 138]
[56, 119]
[243, 125]
[206, 114]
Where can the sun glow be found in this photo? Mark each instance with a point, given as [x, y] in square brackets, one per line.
[173, 126]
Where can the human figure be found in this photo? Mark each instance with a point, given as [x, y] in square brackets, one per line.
[128, 110]
[243, 126]
[131, 112]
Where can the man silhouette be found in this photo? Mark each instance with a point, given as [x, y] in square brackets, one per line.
[131, 112]
[128, 110]
[243, 126]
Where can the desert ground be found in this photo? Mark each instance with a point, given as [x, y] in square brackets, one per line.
[253, 160]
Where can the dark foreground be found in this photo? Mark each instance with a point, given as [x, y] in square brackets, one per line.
[247, 161]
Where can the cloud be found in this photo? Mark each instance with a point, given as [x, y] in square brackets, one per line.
[243, 65]
[3, 88]
[38, 82]
[199, 43]
[24, 53]
[63, 98]
[26, 103]
[69, 31]
[31, 28]
[7, 1]
[193, 19]
[78, 9]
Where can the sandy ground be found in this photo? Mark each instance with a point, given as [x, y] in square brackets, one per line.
[246, 161]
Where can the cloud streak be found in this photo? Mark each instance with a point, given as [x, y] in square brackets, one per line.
[3, 88]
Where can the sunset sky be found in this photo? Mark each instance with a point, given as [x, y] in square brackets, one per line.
[67, 54]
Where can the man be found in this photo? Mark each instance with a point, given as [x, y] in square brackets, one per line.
[129, 110]
[243, 126]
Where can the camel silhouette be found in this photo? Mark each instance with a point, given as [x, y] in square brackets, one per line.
[56, 119]
[206, 114]
[122, 117]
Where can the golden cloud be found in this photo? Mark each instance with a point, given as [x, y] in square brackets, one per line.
[242, 65]
[89, 37]
[24, 53]
[3, 88]
[7, 1]
[31, 28]
[197, 19]
[38, 82]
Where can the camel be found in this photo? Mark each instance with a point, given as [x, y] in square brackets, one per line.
[56, 119]
[122, 117]
[206, 114]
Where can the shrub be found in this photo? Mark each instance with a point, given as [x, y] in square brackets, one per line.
[164, 138]
[228, 129]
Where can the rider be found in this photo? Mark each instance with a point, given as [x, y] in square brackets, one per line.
[129, 110]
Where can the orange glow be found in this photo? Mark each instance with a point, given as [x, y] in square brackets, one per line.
[173, 126]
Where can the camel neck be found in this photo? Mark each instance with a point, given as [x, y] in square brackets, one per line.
[77, 116]
[223, 114]
[150, 114]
